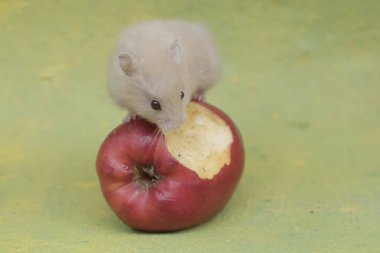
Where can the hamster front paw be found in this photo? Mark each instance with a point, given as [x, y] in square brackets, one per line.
[130, 117]
[199, 97]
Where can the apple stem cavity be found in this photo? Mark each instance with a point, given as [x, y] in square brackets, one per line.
[145, 175]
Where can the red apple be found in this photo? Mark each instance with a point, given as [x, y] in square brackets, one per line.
[156, 182]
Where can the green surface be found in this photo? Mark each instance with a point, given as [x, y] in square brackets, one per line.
[302, 82]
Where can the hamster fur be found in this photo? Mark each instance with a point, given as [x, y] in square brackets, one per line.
[168, 62]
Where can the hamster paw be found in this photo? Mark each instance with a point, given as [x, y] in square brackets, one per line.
[130, 117]
[200, 97]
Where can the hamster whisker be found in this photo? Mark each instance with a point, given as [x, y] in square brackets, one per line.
[159, 139]
[156, 134]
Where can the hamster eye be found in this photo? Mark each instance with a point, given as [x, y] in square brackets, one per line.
[182, 94]
[155, 105]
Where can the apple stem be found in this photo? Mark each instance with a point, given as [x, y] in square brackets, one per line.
[145, 175]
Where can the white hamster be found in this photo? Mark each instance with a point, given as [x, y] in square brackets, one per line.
[158, 66]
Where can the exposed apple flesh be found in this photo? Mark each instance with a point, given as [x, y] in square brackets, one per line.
[203, 143]
[165, 183]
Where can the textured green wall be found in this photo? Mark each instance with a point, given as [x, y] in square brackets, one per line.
[302, 82]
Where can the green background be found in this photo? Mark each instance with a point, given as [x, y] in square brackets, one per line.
[301, 81]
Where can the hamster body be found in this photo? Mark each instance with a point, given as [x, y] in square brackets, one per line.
[158, 66]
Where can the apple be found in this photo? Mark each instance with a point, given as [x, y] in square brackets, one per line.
[167, 182]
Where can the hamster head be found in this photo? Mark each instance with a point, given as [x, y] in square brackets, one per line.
[155, 86]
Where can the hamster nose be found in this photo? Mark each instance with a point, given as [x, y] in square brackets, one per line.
[176, 124]
[166, 127]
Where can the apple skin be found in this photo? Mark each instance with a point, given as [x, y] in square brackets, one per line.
[179, 199]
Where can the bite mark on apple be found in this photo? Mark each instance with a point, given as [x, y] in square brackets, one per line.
[203, 143]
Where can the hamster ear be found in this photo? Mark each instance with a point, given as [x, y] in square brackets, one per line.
[175, 51]
[127, 64]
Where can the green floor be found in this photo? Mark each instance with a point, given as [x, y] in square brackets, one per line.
[302, 82]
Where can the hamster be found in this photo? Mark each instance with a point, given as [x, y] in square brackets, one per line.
[158, 66]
